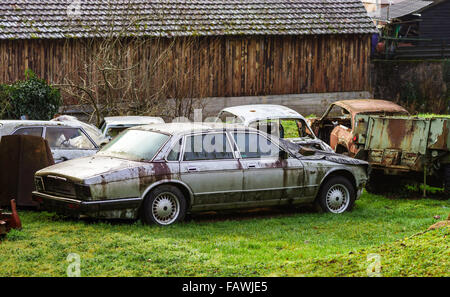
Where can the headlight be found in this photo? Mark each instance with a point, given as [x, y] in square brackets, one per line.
[39, 183]
[83, 192]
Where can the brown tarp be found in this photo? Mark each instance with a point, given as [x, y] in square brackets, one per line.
[20, 157]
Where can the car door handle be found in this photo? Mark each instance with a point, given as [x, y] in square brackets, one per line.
[252, 165]
[192, 169]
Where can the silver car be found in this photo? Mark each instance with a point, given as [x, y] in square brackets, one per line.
[161, 172]
[67, 140]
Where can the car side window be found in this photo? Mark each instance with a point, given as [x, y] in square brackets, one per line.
[253, 145]
[174, 154]
[68, 138]
[34, 131]
[213, 146]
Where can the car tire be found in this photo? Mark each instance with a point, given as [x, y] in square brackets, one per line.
[447, 181]
[164, 206]
[337, 195]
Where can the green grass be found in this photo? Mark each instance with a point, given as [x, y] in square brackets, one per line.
[266, 243]
[433, 115]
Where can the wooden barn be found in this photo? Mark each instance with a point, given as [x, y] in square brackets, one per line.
[212, 48]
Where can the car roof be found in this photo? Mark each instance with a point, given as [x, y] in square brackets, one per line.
[370, 106]
[9, 126]
[27, 123]
[132, 120]
[255, 112]
[188, 127]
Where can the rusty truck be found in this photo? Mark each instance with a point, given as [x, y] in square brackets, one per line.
[400, 148]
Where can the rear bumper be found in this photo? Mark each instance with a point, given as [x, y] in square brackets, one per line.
[76, 208]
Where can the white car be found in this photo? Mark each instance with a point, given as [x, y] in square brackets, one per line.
[112, 126]
[277, 120]
[94, 132]
[67, 140]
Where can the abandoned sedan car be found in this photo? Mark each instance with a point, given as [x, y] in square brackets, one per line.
[338, 131]
[277, 120]
[67, 140]
[161, 172]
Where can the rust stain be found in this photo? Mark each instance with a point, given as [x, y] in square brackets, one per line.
[396, 132]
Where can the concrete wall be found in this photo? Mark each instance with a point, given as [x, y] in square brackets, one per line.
[305, 104]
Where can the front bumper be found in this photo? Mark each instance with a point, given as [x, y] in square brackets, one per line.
[76, 208]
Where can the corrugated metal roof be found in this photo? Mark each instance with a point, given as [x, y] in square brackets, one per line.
[401, 9]
[25, 19]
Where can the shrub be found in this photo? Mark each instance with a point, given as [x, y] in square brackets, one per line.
[5, 106]
[33, 97]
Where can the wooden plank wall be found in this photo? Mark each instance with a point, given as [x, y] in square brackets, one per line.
[212, 66]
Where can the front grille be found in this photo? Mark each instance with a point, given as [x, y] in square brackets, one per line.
[59, 186]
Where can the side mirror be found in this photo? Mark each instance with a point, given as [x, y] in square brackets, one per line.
[283, 155]
[304, 151]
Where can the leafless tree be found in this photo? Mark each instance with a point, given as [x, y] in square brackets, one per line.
[124, 72]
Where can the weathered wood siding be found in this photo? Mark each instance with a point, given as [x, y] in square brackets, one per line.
[435, 22]
[215, 66]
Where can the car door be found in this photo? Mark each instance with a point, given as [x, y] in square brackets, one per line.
[69, 143]
[268, 179]
[209, 167]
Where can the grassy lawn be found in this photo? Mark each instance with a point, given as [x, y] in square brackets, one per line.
[266, 243]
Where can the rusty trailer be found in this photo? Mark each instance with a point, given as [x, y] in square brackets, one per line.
[417, 147]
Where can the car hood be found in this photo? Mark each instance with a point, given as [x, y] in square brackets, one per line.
[306, 141]
[336, 158]
[98, 169]
[294, 148]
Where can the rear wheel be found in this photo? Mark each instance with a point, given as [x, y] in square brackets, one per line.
[337, 195]
[164, 206]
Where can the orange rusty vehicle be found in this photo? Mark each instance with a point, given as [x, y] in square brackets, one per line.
[338, 131]
[399, 148]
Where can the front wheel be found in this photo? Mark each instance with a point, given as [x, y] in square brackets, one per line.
[164, 206]
[337, 195]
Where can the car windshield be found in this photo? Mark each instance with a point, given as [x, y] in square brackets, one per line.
[137, 145]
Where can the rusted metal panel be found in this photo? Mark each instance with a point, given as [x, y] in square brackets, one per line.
[439, 137]
[405, 134]
[21, 156]
[370, 106]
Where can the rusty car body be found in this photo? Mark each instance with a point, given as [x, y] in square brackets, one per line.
[67, 140]
[337, 131]
[160, 172]
[398, 147]
[277, 120]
